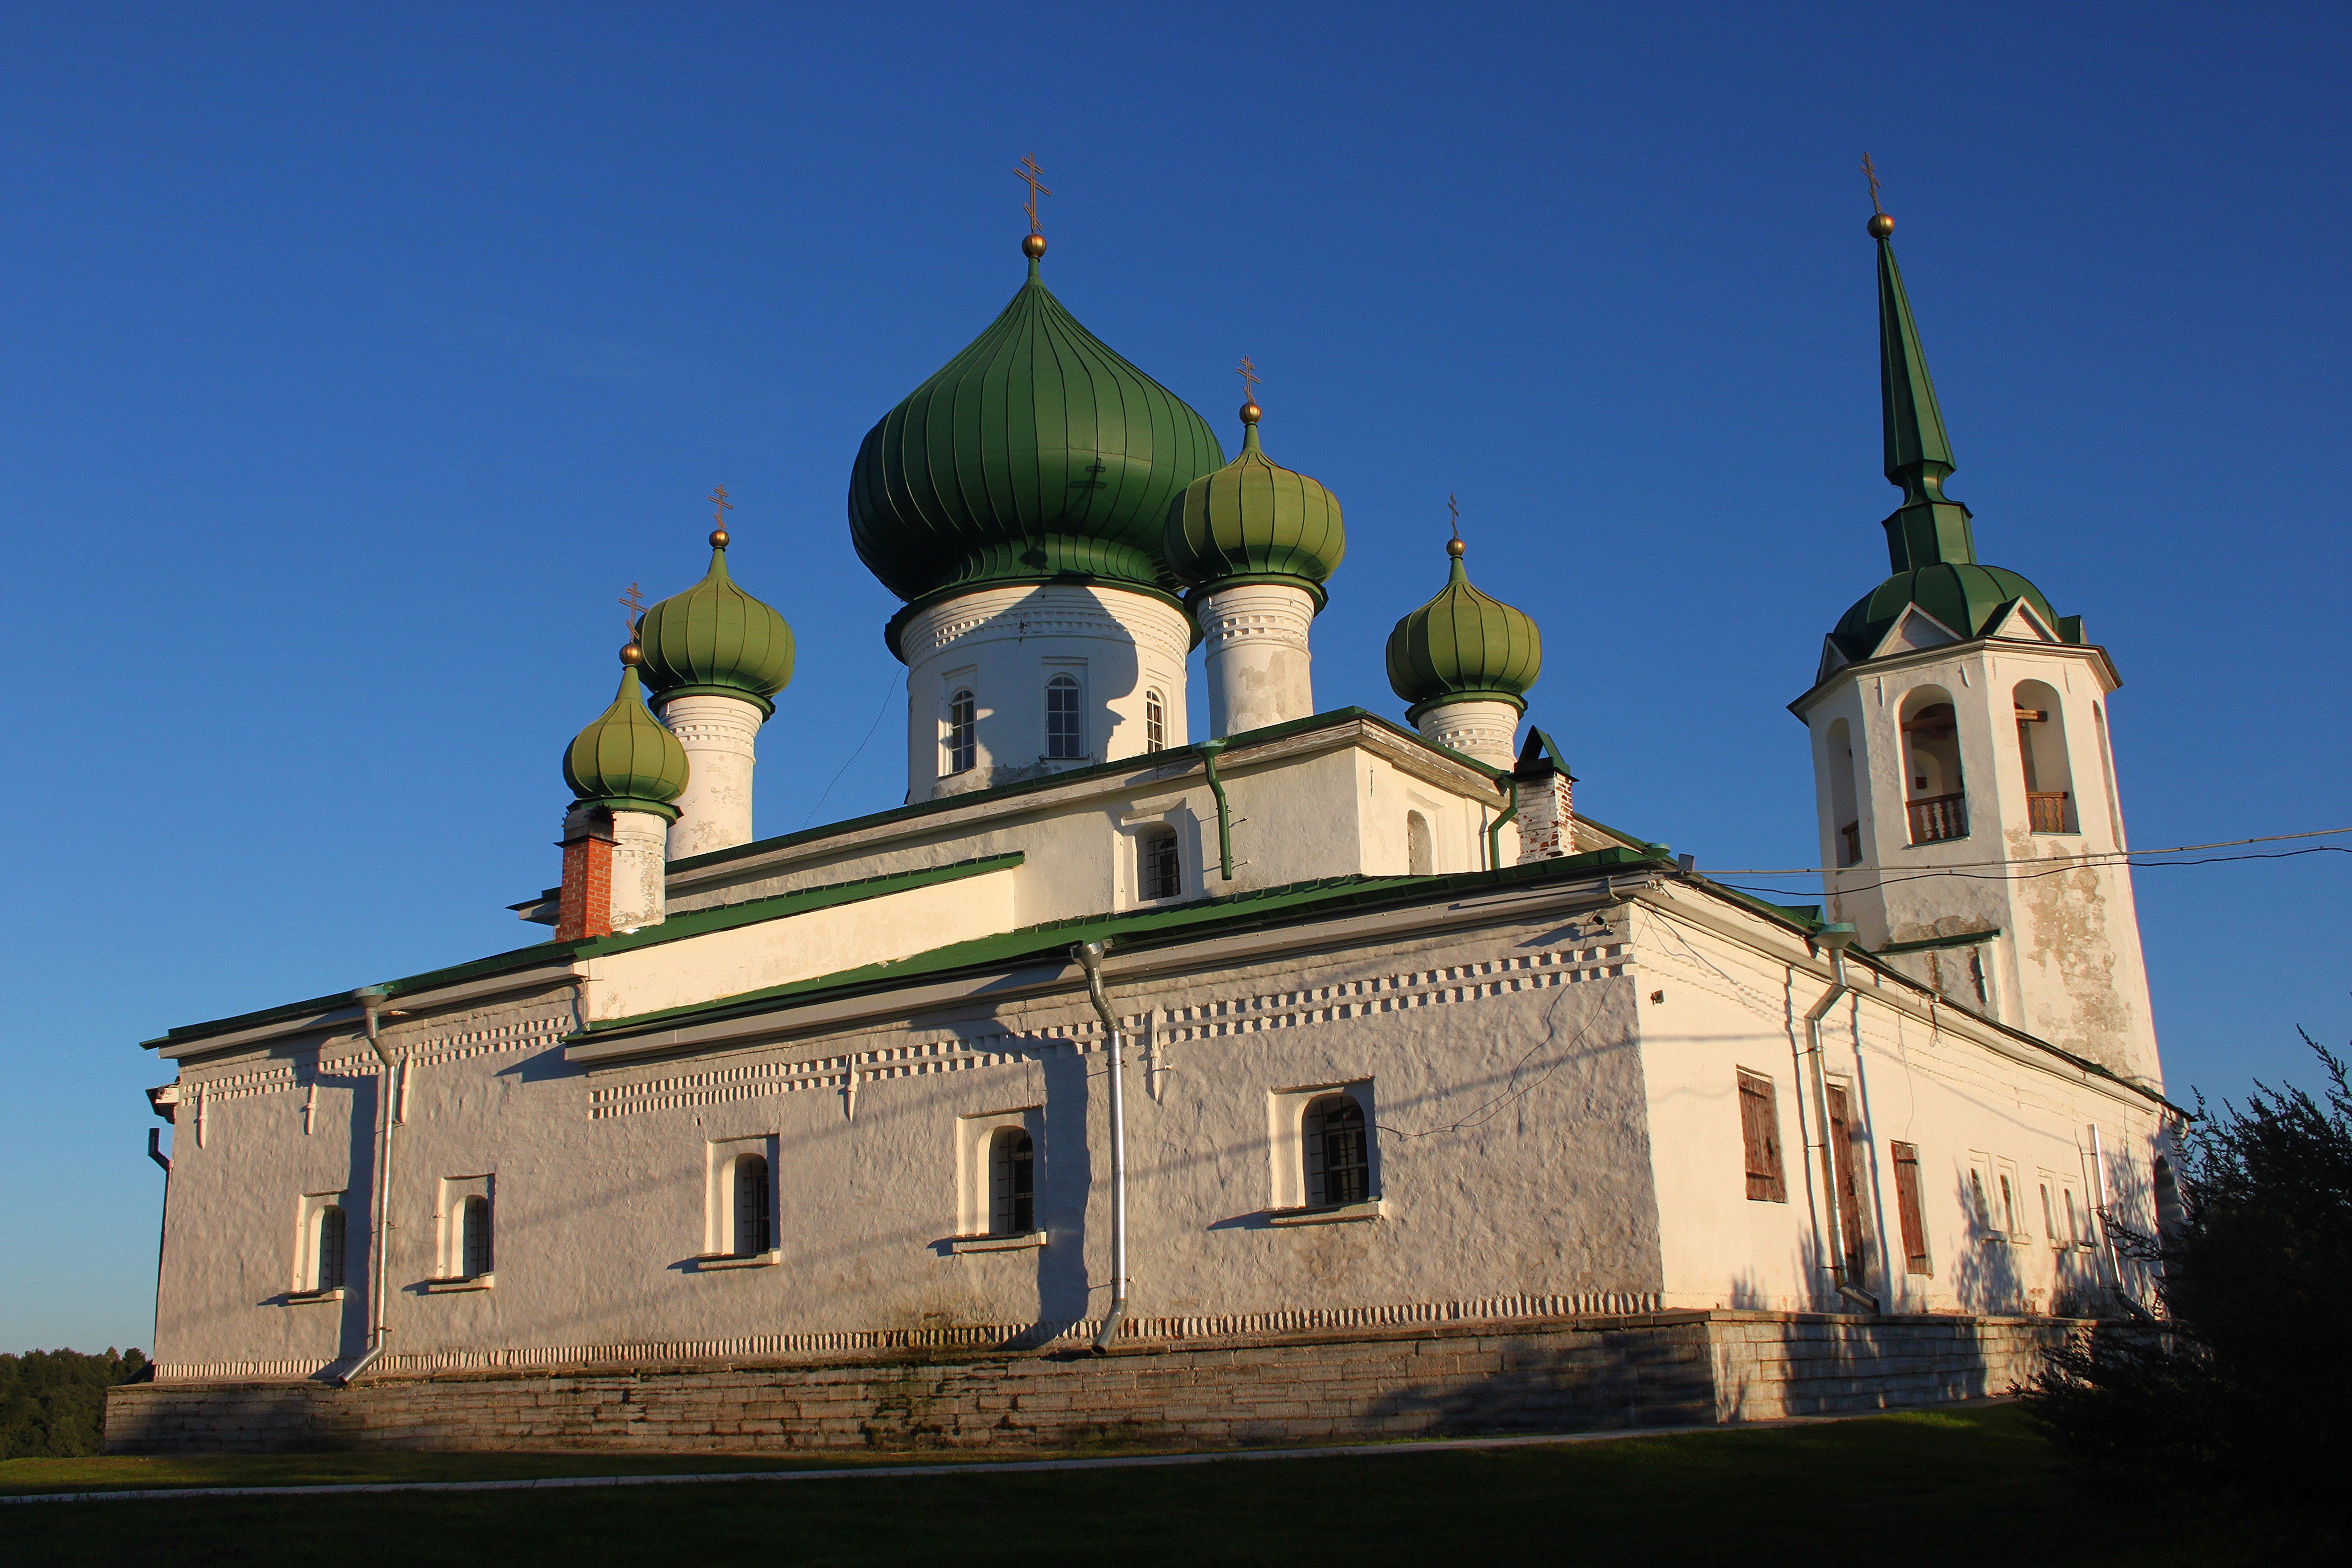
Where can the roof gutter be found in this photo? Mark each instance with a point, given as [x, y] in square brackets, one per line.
[1209, 750]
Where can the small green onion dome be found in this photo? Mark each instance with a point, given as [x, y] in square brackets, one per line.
[715, 637]
[1962, 595]
[1035, 454]
[1464, 646]
[626, 761]
[1253, 520]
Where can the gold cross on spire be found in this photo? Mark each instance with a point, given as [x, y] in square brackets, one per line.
[1454, 507]
[1250, 378]
[1871, 175]
[720, 505]
[633, 602]
[1030, 172]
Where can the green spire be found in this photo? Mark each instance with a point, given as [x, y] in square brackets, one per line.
[1928, 528]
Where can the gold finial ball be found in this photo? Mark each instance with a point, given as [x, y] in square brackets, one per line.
[1252, 413]
[1880, 226]
[1454, 547]
[717, 539]
[631, 654]
[1032, 245]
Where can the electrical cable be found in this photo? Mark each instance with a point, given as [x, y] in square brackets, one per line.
[2050, 870]
[890, 689]
[2088, 857]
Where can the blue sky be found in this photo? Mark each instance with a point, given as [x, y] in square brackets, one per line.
[351, 360]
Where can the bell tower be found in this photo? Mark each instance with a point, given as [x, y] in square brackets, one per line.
[1962, 761]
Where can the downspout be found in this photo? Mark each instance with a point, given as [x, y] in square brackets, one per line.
[1495, 833]
[1836, 938]
[1090, 956]
[162, 1225]
[1209, 750]
[369, 1000]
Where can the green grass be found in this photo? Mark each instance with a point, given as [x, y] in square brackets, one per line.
[1971, 1486]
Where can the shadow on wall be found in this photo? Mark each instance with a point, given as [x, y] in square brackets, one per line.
[1011, 726]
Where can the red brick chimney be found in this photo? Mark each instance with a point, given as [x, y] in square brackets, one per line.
[586, 907]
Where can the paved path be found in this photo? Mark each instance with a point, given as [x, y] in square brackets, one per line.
[845, 1473]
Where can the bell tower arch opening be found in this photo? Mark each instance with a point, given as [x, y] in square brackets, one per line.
[2041, 752]
[1935, 794]
[1845, 814]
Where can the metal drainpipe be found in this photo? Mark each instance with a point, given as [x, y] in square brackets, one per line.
[1495, 833]
[1209, 750]
[371, 1000]
[1836, 938]
[1090, 956]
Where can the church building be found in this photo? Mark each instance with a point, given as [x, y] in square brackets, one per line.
[1328, 1077]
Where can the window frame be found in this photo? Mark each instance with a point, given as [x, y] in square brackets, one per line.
[1292, 1188]
[960, 732]
[1762, 1155]
[722, 1158]
[1159, 848]
[1057, 683]
[1155, 721]
[976, 1133]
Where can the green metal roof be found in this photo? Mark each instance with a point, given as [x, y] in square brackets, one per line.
[715, 637]
[1463, 645]
[698, 922]
[1036, 454]
[1253, 520]
[626, 759]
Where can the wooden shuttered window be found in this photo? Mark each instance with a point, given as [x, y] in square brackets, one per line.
[1760, 1132]
[1906, 1201]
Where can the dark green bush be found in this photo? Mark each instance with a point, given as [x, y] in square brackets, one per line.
[2243, 1378]
[53, 1403]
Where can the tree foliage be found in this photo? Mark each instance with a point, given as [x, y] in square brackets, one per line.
[53, 1403]
[2244, 1376]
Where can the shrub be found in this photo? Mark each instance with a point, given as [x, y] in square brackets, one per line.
[53, 1403]
[2244, 1376]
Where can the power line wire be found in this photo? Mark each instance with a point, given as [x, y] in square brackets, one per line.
[2087, 858]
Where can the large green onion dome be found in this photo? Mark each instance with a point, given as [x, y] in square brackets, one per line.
[1253, 520]
[626, 759]
[715, 637]
[1464, 646]
[1036, 454]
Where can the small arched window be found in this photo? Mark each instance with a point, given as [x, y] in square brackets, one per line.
[334, 1235]
[754, 1225]
[963, 750]
[1155, 722]
[473, 1237]
[1158, 873]
[1012, 1183]
[1063, 740]
[1419, 854]
[1337, 1151]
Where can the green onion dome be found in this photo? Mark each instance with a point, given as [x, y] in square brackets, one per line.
[1965, 597]
[715, 637]
[1035, 454]
[1464, 646]
[626, 761]
[1253, 520]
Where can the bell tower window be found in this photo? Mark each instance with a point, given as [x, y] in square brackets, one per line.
[1845, 820]
[2042, 750]
[1064, 737]
[1935, 798]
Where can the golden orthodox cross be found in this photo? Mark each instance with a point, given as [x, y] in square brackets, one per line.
[1454, 509]
[1030, 172]
[720, 506]
[1248, 373]
[635, 603]
[1871, 175]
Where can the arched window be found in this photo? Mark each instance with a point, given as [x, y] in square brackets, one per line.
[2042, 748]
[1936, 799]
[1157, 874]
[473, 1237]
[962, 748]
[1155, 722]
[327, 1262]
[1063, 740]
[2169, 1210]
[1420, 855]
[754, 1227]
[1339, 1153]
[1012, 1183]
[1845, 819]
[2107, 773]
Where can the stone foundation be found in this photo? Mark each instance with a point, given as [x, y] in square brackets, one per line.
[1554, 1375]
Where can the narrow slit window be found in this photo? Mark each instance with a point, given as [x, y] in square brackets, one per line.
[334, 1234]
[1906, 1204]
[1337, 1148]
[1759, 1135]
[1158, 873]
[1420, 853]
[473, 1237]
[1012, 1183]
[1155, 722]
[962, 748]
[755, 1230]
[1063, 740]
